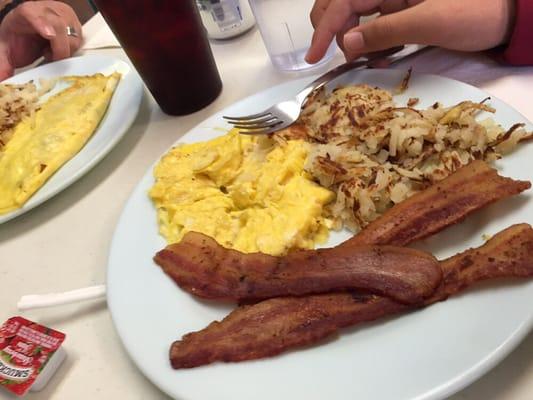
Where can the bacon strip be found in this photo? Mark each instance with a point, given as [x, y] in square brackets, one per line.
[199, 265]
[443, 204]
[273, 326]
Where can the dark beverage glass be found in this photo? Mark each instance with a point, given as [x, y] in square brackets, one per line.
[167, 43]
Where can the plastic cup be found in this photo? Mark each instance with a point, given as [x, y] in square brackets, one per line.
[168, 45]
[286, 30]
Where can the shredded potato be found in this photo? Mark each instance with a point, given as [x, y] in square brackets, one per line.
[18, 102]
[374, 154]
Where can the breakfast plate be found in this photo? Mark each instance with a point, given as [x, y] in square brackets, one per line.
[120, 115]
[427, 354]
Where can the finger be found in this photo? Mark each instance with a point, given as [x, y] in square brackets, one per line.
[51, 25]
[412, 25]
[64, 17]
[352, 22]
[25, 19]
[75, 42]
[60, 43]
[318, 10]
[331, 22]
[387, 7]
[392, 6]
[60, 47]
[6, 68]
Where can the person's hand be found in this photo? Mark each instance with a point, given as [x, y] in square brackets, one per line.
[467, 25]
[34, 29]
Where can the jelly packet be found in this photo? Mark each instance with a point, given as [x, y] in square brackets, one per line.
[29, 354]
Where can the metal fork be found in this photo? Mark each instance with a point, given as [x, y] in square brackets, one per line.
[285, 113]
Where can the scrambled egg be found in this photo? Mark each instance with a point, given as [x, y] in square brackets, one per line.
[57, 131]
[246, 192]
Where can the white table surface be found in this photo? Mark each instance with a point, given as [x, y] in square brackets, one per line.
[63, 244]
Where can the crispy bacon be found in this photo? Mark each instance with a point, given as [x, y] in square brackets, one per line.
[443, 204]
[273, 326]
[508, 254]
[199, 265]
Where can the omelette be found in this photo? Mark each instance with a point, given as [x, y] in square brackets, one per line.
[249, 193]
[41, 143]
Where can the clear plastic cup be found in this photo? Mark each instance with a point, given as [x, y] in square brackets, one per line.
[287, 31]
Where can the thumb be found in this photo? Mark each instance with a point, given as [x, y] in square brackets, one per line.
[6, 68]
[404, 27]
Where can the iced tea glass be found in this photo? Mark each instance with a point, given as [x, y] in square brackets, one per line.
[168, 45]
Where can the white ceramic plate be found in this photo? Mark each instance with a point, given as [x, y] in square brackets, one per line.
[428, 354]
[116, 122]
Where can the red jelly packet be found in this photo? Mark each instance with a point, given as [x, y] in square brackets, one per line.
[25, 348]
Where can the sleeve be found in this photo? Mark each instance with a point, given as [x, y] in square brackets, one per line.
[519, 51]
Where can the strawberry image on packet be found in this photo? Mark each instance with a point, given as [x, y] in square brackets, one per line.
[26, 348]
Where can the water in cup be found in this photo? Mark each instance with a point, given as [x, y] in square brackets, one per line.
[294, 60]
[286, 30]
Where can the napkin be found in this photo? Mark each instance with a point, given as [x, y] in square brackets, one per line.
[97, 34]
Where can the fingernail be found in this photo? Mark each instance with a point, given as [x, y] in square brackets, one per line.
[49, 31]
[354, 42]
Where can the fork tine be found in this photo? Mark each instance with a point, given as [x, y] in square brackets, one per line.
[258, 127]
[261, 122]
[257, 132]
[262, 131]
[248, 117]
